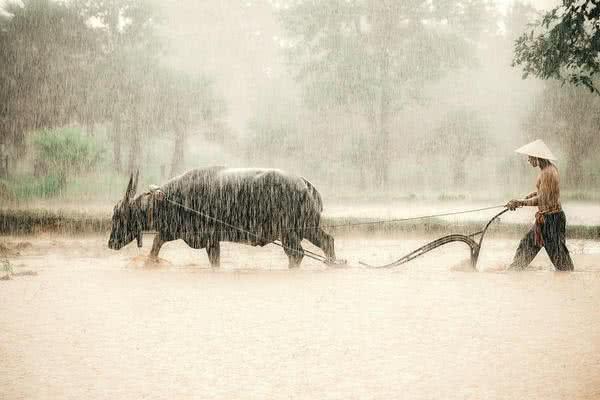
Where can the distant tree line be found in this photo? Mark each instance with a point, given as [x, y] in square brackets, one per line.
[98, 62]
[376, 56]
[363, 65]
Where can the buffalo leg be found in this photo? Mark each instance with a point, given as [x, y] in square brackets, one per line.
[156, 245]
[322, 240]
[293, 249]
[214, 253]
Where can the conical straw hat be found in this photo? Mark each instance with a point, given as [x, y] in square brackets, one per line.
[537, 149]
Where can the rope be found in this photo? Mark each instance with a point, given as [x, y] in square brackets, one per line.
[415, 218]
[319, 257]
[308, 254]
[386, 221]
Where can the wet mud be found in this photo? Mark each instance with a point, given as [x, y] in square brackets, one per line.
[95, 323]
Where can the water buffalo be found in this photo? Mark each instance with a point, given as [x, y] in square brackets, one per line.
[262, 204]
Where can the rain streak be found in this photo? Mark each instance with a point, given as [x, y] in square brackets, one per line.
[298, 199]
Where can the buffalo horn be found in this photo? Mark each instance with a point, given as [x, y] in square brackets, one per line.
[129, 187]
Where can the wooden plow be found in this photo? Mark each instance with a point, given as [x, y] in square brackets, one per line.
[474, 246]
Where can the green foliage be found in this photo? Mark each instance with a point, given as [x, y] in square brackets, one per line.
[45, 47]
[66, 151]
[563, 45]
[29, 187]
[58, 68]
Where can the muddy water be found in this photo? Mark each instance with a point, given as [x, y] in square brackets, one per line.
[97, 324]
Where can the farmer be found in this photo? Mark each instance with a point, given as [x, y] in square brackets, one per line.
[549, 228]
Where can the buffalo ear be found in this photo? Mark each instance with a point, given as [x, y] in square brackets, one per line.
[128, 191]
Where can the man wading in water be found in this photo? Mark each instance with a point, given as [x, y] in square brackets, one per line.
[549, 228]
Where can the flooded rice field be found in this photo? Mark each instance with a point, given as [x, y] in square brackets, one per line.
[96, 324]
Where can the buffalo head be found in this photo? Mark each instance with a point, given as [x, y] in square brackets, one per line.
[127, 219]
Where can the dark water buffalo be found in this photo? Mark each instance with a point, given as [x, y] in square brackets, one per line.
[265, 204]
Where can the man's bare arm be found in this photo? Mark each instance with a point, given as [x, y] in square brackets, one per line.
[531, 201]
[530, 198]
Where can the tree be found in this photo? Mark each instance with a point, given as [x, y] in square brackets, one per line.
[274, 132]
[45, 48]
[122, 87]
[377, 55]
[460, 135]
[97, 61]
[186, 104]
[563, 45]
[569, 116]
[136, 92]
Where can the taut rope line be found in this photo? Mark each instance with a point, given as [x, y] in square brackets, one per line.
[319, 257]
[308, 253]
[416, 218]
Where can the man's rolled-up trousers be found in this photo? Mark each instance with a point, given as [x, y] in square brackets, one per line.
[554, 241]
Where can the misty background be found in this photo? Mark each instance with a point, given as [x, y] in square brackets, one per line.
[366, 99]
